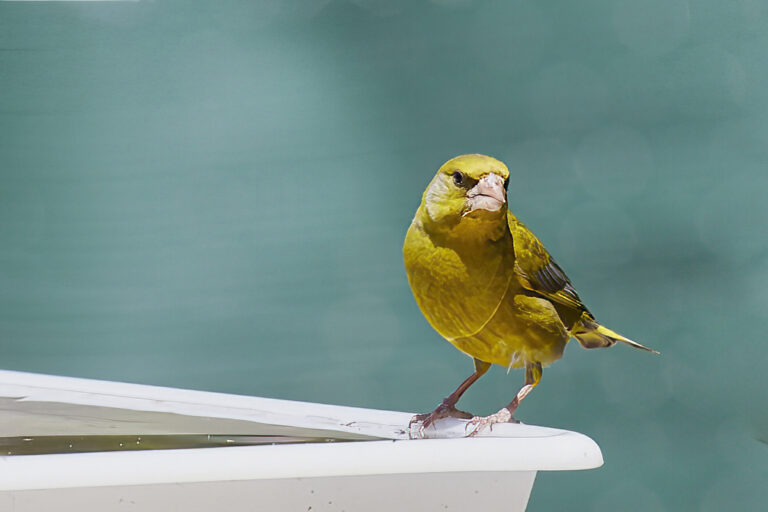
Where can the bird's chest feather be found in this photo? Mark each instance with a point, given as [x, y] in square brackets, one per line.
[458, 284]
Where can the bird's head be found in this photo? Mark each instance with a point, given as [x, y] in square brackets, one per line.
[467, 187]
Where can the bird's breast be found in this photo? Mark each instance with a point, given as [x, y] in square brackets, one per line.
[459, 286]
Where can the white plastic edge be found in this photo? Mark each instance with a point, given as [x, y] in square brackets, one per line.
[297, 461]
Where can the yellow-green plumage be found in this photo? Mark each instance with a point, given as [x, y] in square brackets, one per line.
[483, 280]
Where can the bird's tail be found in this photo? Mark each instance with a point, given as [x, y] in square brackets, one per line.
[593, 335]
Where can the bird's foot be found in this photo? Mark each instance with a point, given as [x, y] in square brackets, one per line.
[479, 423]
[444, 410]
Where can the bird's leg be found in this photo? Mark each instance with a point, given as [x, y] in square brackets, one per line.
[447, 406]
[505, 415]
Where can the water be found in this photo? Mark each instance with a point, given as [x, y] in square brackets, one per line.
[39, 445]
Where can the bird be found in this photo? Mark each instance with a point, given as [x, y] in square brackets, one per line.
[487, 284]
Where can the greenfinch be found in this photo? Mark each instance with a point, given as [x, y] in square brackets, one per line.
[487, 284]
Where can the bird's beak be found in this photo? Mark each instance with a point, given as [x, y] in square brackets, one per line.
[488, 194]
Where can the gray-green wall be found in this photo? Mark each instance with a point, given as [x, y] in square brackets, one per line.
[214, 196]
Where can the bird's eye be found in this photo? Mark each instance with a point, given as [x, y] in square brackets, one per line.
[458, 178]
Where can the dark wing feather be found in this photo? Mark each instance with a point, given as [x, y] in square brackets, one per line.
[536, 269]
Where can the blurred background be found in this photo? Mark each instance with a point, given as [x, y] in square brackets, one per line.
[214, 196]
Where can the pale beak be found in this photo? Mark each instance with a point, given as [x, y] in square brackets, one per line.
[489, 194]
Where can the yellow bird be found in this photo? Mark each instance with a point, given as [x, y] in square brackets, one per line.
[488, 285]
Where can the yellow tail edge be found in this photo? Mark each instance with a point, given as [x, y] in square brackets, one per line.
[618, 337]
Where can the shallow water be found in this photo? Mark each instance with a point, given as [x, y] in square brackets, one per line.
[39, 445]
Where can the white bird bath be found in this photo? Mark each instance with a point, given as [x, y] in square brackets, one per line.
[281, 455]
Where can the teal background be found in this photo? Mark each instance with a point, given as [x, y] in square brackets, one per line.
[214, 196]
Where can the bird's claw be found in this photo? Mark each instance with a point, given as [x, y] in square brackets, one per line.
[442, 411]
[479, 423]
[419, 418]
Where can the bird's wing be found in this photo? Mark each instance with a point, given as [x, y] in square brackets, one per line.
[537, 271]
